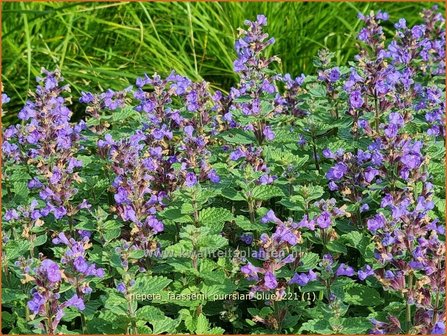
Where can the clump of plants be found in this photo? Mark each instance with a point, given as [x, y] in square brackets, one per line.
[309, 204]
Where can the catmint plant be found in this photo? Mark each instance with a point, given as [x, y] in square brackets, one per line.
[287, 203]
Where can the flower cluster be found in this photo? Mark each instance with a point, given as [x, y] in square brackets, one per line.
[274, 252]
[76, 267]
[332, 181]
[46, 297]
[49, 141]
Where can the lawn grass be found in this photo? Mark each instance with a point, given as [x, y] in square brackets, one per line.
[107, 45]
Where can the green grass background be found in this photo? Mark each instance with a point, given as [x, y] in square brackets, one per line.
[107, 45]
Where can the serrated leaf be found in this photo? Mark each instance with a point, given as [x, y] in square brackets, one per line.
[361, 295]
[211, 243]
[355, 325]
[232, 194]
[19, 173]
[10, 295]
[216, 331]
[238, 137]
[308, 261]
[353, 238]
[21, 190]
[116, 303]
[187, 208]
[111, 230]
[136, 254]
[212, 216]
[316, 327]
[336, 246]
[149, 314]
[40, 240]
[245, 224]
[202, 325]
[166, 325]
[91, 307]
[16, 248]
[150, 285]
[123, 114]
[266, 192]
[175, 215]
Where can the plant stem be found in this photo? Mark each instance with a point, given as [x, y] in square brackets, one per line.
[321, 295]
[83, 323]
[408, 306]
[435, 310]
[314, 149]
[377, 116]
[196, 211]
[251, 210]
[133, 326]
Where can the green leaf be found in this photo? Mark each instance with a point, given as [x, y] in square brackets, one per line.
[86, 160]
[182, 249]
[91, 307]
[40, 240]
[211, 243]
[116, 303]
[238, 137]
[202, 325]
[19, 173]
[353, 238]
[21, 190]
[123, 114]
[111, 230]
[232, 194]
[175, 215]
[216, 331]
[136, 254]
[245, 224]
[166, 325]
[212, 216]
[308, 261]
[316, 327]
[355, 325]
[186, 209]
[266, 192]
[336, 246]
[150, 285]
[149, 314]
[361, 295]
[317, 90]
[10, 295]
[16, 248]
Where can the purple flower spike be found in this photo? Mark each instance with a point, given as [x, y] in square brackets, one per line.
[302, 279]
[356, 99]
[270, 280]
[324, 220]
[237, 154]
[269, 217]
[36, 303]
[213, 177]
[375, 223]
[438, 329]
[191, 179]
[268, 133]
[365, 272]
[121, 288]
[250, 271]
[345, 270]
[51, 270]
[337, 172]
[247, 238]
[75, 302]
